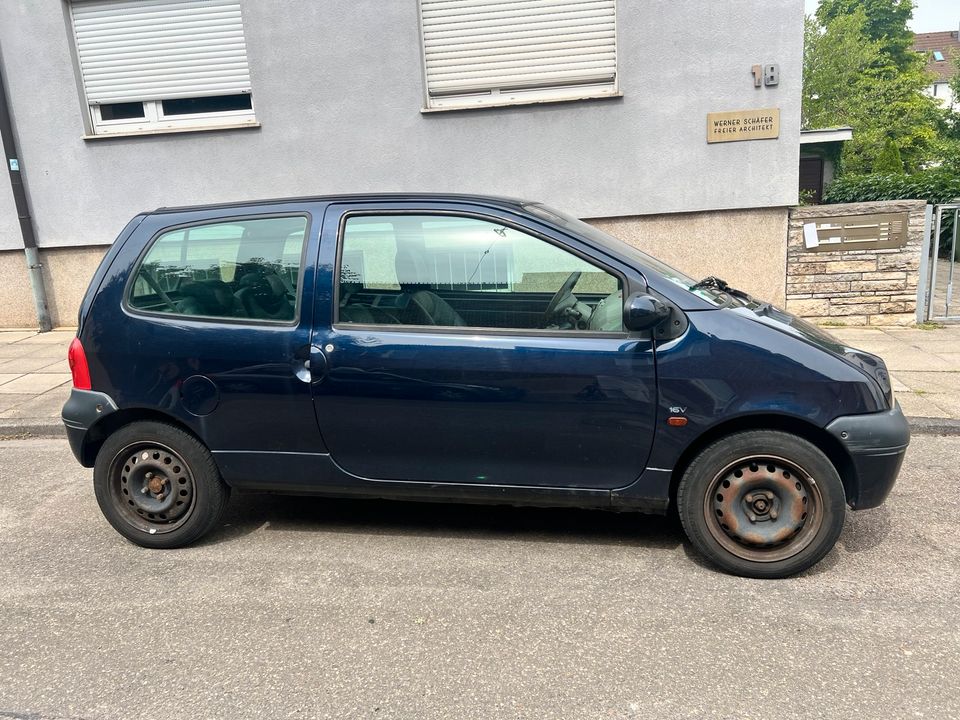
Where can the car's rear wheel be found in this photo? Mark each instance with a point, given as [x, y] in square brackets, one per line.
[158, 486]
[762, 504]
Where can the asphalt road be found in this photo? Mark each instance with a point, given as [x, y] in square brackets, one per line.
[301, 608]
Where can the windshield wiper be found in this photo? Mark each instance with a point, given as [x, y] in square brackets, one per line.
[716, 283]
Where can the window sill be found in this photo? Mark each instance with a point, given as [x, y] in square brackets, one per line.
[174, 131]
[530, 101]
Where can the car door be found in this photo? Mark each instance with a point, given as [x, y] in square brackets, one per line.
[434, 361]
[213, 327]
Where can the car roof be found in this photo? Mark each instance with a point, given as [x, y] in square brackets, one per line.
[508, 202]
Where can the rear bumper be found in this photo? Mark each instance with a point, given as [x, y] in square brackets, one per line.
[82, 410]
[876, 443]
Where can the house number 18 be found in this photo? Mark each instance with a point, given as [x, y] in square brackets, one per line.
[768, 75]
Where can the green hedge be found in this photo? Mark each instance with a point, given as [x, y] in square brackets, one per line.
[934, 186]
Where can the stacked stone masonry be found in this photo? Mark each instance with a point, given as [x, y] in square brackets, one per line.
[855, 287]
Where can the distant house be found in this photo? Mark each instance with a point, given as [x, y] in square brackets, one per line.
[941, 49]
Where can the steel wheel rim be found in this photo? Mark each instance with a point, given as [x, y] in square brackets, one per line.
[152, 486]
[763, 508]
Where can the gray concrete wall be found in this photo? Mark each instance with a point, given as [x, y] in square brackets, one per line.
[338, 89]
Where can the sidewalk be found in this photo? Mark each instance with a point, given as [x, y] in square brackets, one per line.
[924, 365]
[34, 381]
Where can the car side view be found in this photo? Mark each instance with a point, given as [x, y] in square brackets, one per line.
[467, 349]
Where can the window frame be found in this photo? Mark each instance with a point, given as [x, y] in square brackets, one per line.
[134, 272]
[499, 97]
[153, 122]
[336, 324]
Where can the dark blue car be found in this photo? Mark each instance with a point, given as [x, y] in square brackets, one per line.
[468, 349]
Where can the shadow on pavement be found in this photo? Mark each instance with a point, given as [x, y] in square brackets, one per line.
[248, 512]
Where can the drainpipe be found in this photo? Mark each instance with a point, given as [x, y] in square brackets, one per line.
[23, 211]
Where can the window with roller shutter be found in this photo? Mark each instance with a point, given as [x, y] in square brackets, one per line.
[162, 65]
[479, 53]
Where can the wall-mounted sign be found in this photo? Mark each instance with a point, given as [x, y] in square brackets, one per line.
[760, 124]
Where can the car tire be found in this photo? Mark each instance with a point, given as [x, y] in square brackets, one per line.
[762, 504]
[158, 486]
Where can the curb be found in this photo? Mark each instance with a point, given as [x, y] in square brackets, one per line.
[32, 428]
[53, 427]
[934, 426]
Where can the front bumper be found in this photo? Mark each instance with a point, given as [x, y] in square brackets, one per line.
[83, 409]
[876, 443]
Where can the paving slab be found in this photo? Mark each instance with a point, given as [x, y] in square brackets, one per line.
[13, 350]
[8, 401]
[8, 336]
[53, 337]
[35, 383]
[7, 377]
[936, 382]
[46, 405]
[59, 366]
[948, 403]
[33, 363]
[919, 405]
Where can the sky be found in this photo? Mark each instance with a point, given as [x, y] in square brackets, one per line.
[928, 15]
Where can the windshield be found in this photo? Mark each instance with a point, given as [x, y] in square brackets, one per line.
[711, 295]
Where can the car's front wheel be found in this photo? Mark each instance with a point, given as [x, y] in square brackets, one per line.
[158, 486]
[762, 504]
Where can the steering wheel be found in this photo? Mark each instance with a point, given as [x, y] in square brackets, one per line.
[562, 295]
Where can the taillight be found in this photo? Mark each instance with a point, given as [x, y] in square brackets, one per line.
[78, 365]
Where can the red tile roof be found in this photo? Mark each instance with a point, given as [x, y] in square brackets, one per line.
[946, 42]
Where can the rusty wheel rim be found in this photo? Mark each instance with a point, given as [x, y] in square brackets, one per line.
[152, 487]
[763, 508]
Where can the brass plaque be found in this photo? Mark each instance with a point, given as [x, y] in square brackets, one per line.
[759, 124]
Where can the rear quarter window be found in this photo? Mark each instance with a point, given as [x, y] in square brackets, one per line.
[239, 269]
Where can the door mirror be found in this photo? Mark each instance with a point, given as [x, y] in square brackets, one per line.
[643, 312]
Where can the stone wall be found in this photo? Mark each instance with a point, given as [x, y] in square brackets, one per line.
[855, 287]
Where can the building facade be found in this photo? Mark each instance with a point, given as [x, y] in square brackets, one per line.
[942, 50]
[599, 107]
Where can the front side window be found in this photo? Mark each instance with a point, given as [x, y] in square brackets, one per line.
[477, 52]
[241, 269]
[451, 271]
[154, 65]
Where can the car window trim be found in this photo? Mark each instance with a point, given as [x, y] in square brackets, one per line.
[469, 329]
[138, 263]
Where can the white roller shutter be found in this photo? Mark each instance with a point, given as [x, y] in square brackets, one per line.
[481, 45]
[134, 50]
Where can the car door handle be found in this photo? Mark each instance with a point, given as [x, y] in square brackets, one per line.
[313, 367]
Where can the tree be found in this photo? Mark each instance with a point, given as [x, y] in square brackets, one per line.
[850, 78]
[889, 162]
[885, 23]
[955, 80]
[949, 144]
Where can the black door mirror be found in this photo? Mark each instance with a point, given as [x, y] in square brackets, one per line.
[643, 312]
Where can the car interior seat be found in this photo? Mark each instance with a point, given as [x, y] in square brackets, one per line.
[425, 306]
[209, 297]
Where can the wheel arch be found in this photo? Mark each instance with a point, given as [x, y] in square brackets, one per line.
[97, 435]
[818, 436]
